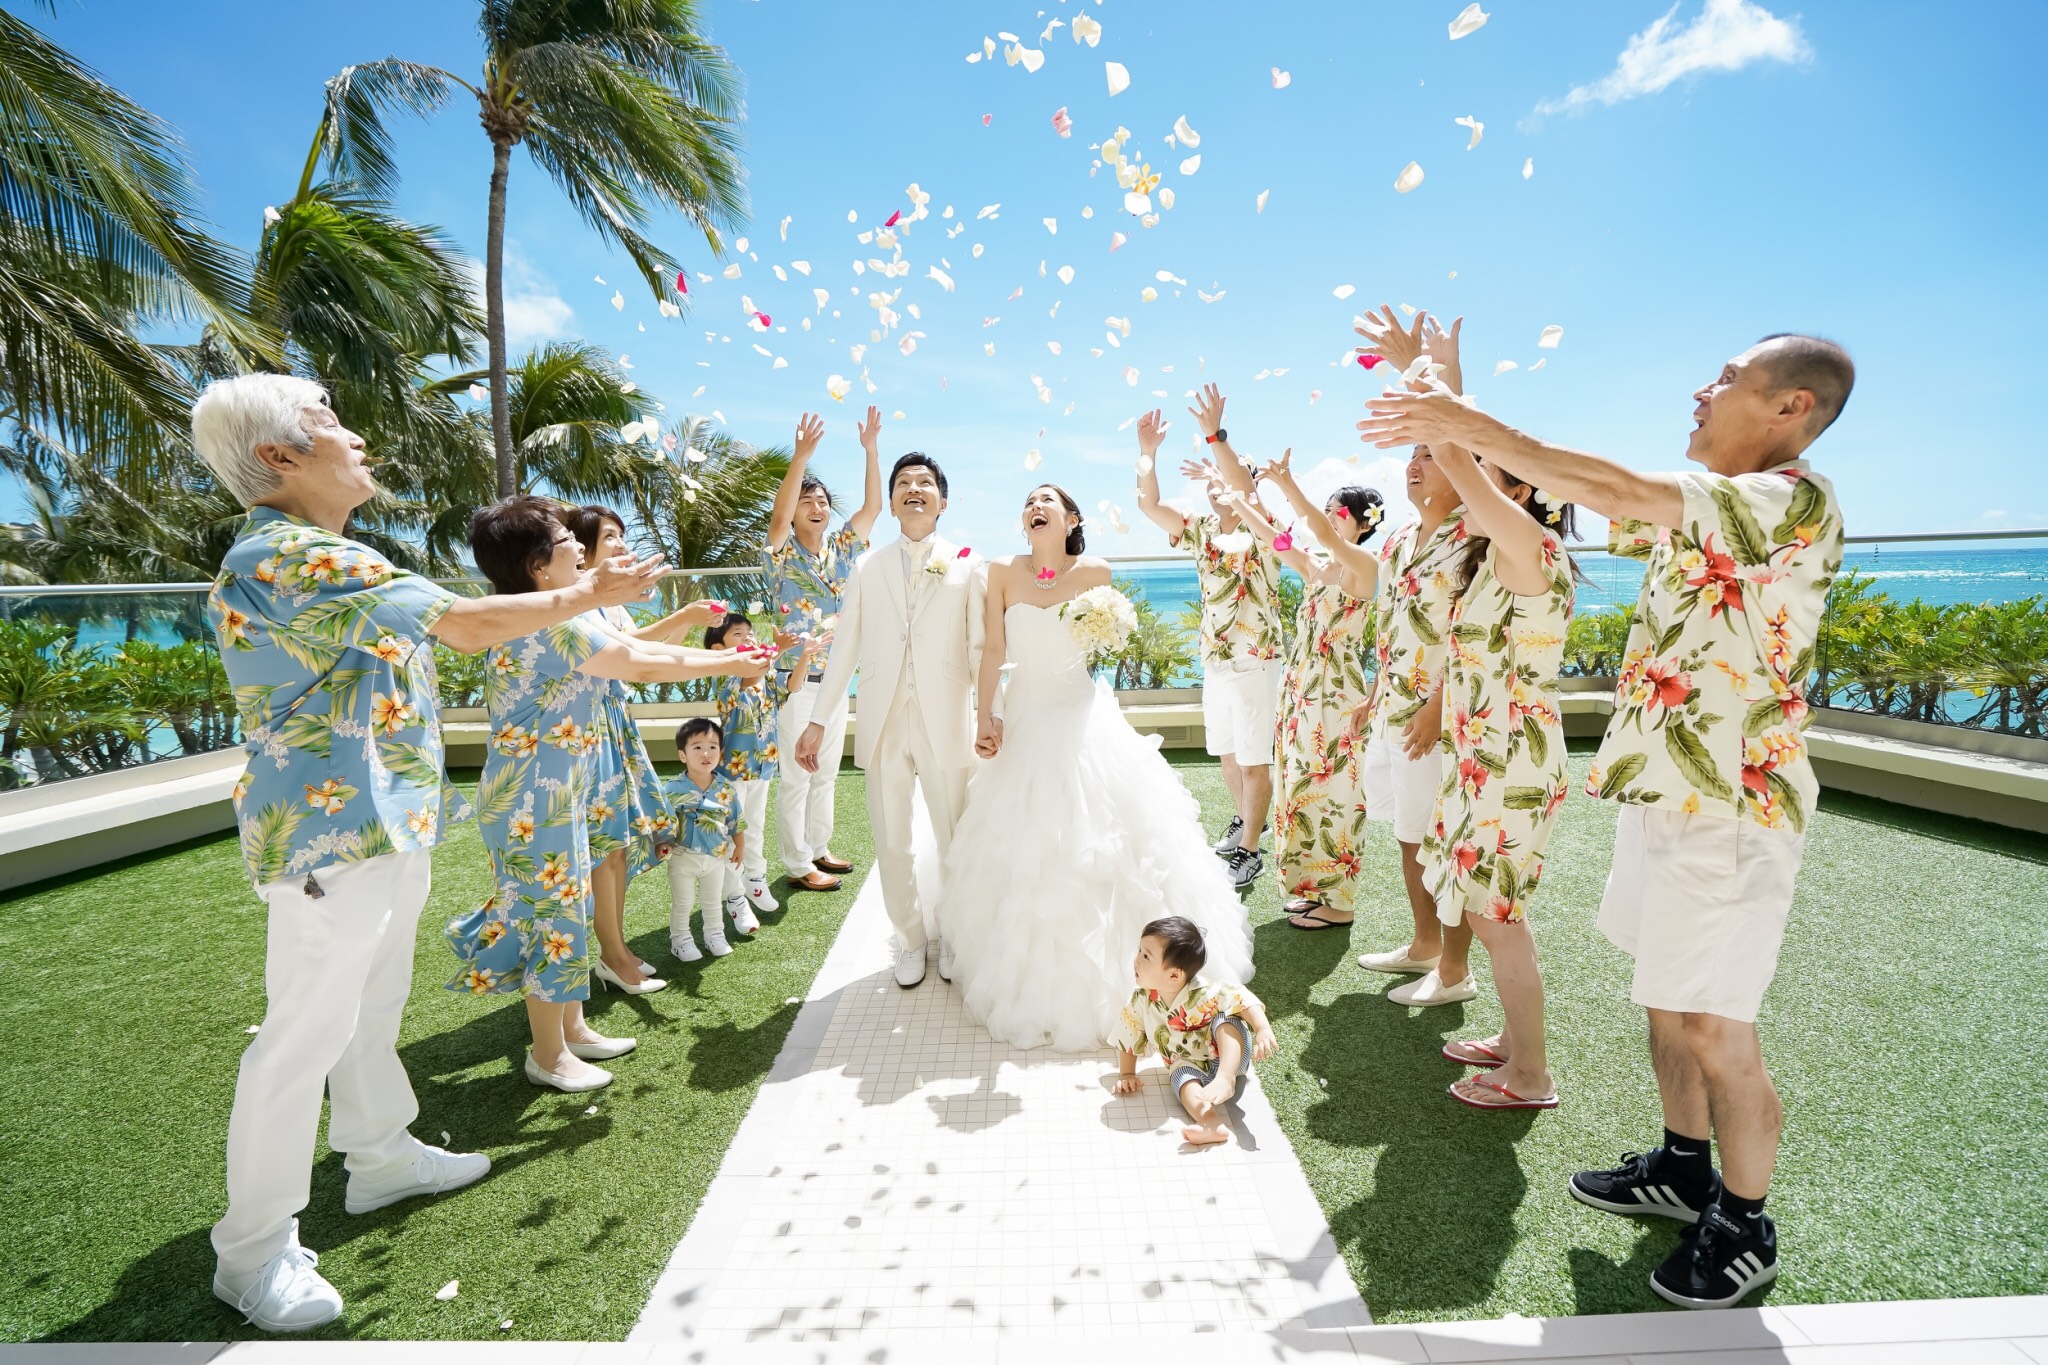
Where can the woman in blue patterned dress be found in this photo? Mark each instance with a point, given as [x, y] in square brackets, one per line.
[543, 693]
[631, 828]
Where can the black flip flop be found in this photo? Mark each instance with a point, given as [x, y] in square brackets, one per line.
[1316, 922]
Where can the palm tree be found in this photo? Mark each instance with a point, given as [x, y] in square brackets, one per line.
[98, 241]
[624, 105]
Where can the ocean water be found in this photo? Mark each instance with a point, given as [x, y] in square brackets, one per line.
[1943, 577]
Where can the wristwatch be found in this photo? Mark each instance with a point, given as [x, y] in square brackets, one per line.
[1221, 435]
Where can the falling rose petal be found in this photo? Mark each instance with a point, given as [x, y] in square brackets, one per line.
[1119, 78]
[1539, 364]
[740, 245]
[1209, 298]
[1410, 177]
[1052, 225]
[682, 281]
[618, 301]
[1344, 291]
[1168, 277]
[987, 119]
[1314, 396]
[907, 345]
[598, 278]
[800, 267]
[1117, 239]
[1528, 167]
[1191, 165]
[479, 392]
[894, 218]
[965, 550]
[1261, 200]
[1469, 21]
[1188, 136]
[1087, 30]
[732, 272]
[1166, 196]
[1053, 346]
[1131, 375]
[1066, 274]
[1503, 366]
[1281, 79]
[944, 280]
[1368, 360]
[1478, 130]
[764, 320]
[448, 1290]
[1139, 204]
[838, 386]
[1284, 541]
[1148, 294]
[1061, 124]
[1551, 336]
[1032, 459]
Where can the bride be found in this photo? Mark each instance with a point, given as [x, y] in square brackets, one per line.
[1076, 832]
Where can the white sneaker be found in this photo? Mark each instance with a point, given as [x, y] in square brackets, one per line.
[1431, 990]
[909, 966]
[433, 1171]
[945, 959]
[742, 915]
[286, 1295]
[714, 942]
[1397, 962]
[686, 949]
[759, 897]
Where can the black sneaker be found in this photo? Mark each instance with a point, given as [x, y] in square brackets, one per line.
[1720, 1260]
[1637, 1186]
[1245, 865]
[1229, 839]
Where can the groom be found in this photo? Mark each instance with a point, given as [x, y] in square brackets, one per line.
[911, 621]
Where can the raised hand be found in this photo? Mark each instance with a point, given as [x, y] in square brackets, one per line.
[1208, 409]
[1279, 470]
[1386, 338]
[624, 578]
[1406, 419]
[871, 430]
[1151, 431]
[810, 429]
[1442, 345]
[1201, 471]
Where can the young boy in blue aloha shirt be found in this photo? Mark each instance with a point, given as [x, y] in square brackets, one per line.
[1207, 1032]
[710, 837]
[747, 716]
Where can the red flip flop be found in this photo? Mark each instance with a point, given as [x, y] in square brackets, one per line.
[1493, 1059]
[1513, 1101]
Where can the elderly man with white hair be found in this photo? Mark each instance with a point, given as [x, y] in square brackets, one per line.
[327, 647]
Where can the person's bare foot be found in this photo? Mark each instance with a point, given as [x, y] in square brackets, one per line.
[1480, 1052]
[1204, 1134]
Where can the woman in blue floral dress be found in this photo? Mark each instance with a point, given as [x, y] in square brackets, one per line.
[544, 693]
[631, 828]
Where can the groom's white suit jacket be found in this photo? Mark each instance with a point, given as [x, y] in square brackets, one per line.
[933, 623]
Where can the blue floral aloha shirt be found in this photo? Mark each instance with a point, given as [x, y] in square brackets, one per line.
[326, 646]
[708, 819]
[533, 801]
[626, 807]
[807, 587]
[748, 716]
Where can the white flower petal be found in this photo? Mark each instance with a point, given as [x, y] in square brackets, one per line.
[1551, 336]
[1188, 136]
[1087, 30]
[1053, 346]
[618, 301]
[1539, 364]
[479, 392]
[1528, 167]
[1209, 298]
[732, 272]
[1478, 130]
[1137, 203]
[1166, 196]
[1066, 274]
[1191, 165]
[1032, 459]
[1052, 225]
[1344, 291]
[1503, 366]
[1131, 375]
[1148, 294]
[1117, 239]
[1470, 20]
[1261, 200]
[944, 280]
[1281, 79]
[1119, 78]
[448, 1290]
[838, 386]
[1410, 177]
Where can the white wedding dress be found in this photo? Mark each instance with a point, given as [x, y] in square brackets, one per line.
[1075, 835]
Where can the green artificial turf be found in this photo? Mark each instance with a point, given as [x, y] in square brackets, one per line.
[127, 993]
[1903, 1031]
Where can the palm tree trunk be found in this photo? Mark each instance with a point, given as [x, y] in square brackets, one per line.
[494, 320]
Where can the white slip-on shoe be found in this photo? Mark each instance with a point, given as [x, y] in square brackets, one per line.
[286, 1295]
[1430, 990]
[760, 897]
[433, 1171]
[1397, 962]
[686, 949]
[598, 1080]
[604, 1049]
[945, 960]
[909, 966]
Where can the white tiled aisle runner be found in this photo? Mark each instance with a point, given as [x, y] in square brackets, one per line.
[902, 1177]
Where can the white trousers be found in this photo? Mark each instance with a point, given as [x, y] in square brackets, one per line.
[804, 817]
[903, 763]
[753, 810]
[337, 970]
[696, 881]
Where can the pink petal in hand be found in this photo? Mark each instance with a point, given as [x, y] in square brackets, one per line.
[1369, 360]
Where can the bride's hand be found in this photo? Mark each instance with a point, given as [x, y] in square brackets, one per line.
[988, 737]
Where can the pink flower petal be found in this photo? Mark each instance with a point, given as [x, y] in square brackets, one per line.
[1283, 541]
[682, 282]
[894, 218]
[1368, 361]
[987, 119]
[965, 550]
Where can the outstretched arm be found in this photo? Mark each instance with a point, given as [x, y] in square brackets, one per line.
[1208, 414]
[1151, 432]
[472, 624]
[1349, 555]
[809, 429]
[872, 501]
[1517, 539]
[632, 661]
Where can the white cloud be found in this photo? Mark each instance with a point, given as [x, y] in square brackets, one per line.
[1727, 36]
[534, 311]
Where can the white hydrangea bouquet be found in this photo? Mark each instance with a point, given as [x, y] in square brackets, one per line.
[1101, 621]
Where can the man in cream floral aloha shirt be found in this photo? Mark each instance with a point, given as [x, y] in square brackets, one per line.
[1706, 755]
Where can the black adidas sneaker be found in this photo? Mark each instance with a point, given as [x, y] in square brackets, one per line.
[1720, 1260]
[1638, 1187]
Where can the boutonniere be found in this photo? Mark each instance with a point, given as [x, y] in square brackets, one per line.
[936, 568]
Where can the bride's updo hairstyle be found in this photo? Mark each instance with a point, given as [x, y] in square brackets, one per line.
[1076, 541]
[1367, 509]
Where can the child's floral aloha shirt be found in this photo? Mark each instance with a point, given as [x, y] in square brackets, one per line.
[1710, 707]
[1240, 593]
[1178, 1029]
[808, 587]
[1504, 774]
[1413, 615]
[533, 806]
[708, 819]
[626, 808]
[747, 716]
[326, 646]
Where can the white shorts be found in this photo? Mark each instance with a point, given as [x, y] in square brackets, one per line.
[1399, 788]
[1239, 708]
[1700, 902]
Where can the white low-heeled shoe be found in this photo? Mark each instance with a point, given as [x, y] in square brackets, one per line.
[619, 983]
[1430, 989]
[1396, 962]
[604, 1049]
[555, 1081]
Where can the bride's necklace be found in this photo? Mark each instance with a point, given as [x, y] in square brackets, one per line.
[1048, 576]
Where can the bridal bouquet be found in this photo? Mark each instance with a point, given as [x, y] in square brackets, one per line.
[1101, 621]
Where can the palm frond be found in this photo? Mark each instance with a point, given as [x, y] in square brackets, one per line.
[353, 139]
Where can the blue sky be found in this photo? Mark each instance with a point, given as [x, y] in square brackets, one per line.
[1865, 171]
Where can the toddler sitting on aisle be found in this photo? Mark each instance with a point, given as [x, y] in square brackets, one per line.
[710, 840]
[1207, 1032]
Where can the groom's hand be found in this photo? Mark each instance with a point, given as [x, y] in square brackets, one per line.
[807, 747]
[988, 740]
